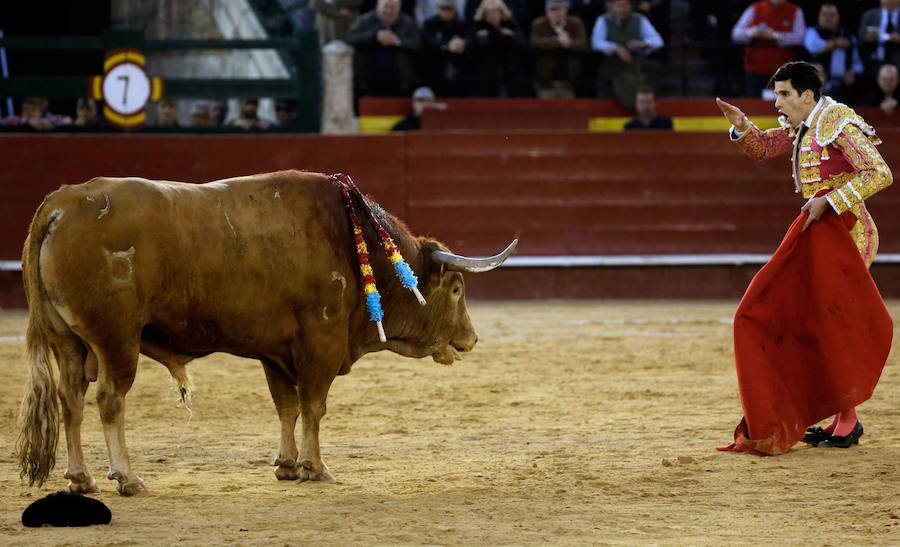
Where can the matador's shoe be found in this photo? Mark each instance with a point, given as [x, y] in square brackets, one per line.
[815, 435]
[834, 441]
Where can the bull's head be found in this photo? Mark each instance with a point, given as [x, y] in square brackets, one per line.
[446, 326]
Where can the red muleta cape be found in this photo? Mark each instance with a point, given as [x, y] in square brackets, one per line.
[811, 336]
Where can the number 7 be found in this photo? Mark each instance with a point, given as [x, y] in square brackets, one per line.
[125, 90]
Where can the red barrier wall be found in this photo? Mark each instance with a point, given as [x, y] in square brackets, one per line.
[560, 192]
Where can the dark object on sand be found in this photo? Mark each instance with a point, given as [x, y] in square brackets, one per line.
[66, 509]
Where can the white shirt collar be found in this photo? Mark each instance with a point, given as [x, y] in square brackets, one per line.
[808, 121]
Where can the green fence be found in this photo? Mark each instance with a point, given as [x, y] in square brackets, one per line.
[301, 55]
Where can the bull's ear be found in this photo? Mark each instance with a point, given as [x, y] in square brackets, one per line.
[434, 270]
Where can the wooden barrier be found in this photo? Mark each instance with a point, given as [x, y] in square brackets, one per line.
[562, 193]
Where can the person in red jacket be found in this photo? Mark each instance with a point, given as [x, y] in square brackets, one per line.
[812, 334]
[769, 30]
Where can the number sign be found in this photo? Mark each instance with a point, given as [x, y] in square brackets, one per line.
[125, 88]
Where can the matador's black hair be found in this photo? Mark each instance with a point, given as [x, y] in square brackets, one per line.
[802, 76]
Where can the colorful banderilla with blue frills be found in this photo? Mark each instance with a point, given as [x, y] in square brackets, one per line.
[404, 272]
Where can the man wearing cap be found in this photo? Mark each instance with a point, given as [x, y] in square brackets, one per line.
[558, 40]
[444, 38]
[422, 98]
[426, 9]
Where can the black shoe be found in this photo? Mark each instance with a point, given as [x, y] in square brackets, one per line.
[833, 441]
[815, 435]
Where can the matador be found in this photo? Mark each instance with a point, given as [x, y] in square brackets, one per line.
[812, 333]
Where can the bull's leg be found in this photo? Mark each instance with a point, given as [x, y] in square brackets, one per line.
[72, 386]
[284, 393]
[116, 375]
[313, 389]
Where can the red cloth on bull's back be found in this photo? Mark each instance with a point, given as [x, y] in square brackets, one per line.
[811, 336]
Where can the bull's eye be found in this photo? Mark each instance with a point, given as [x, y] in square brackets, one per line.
[456, 290]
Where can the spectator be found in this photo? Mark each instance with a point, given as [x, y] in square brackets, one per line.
[888, 79]
[248, 119]
[444, 43]
[86, 113]
[334, 17]
[422, 98]
[167, 113]
[286, 113]
[625, 38]
[36, 116]
[497, 47]
[426, 9]
[878, 33]
[647, 118]
[879, 43]
[385, 42]
[521, 11]
[558, 40]
[835, 49]
[202, 115]
[769, 30]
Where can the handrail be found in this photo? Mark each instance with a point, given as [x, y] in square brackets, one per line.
[610, 261]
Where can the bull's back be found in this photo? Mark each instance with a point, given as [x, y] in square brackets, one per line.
[212, 260]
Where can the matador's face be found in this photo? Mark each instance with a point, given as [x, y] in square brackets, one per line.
[792, 105]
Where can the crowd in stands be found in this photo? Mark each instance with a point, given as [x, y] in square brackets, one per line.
[599, 48]
[164, 114]
[569, 48]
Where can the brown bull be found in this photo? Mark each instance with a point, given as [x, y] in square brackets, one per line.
[263, 267]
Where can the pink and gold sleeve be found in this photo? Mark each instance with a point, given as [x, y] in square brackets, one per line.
[871, 172]
[761, 145]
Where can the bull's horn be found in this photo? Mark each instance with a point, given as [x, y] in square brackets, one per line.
[473, 265]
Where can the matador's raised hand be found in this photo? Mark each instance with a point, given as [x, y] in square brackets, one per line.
[734, 115]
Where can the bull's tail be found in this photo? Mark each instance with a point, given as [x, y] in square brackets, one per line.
[39, 414]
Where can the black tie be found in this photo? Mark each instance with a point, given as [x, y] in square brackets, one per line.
[800, 134]
[890, 24]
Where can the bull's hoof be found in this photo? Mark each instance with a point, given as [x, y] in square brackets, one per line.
[124, 486]
[286, 469]
[133, 488]
[89, 487]
[287, 473]
[81, 483]
[308, 473]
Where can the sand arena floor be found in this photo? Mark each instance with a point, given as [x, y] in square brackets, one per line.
[588, 422]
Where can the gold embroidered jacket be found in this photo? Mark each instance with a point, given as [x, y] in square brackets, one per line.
[836, 157]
